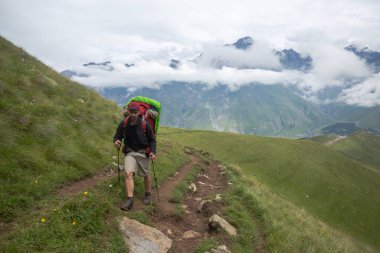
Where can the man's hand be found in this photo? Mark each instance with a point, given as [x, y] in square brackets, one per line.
[117, 144]
[152, 156]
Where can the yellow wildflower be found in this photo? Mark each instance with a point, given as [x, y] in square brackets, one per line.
[43, 219]
[85, 193]
[74, 222]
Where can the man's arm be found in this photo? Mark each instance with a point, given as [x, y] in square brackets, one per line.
[119, 135]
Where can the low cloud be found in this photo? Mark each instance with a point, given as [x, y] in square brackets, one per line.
[259, 55]
[366, 93]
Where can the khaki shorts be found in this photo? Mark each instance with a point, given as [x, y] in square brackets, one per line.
[137, 162]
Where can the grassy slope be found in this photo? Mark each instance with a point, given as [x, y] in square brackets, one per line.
[54, 131]
[51, 129]
[323, 138]
[323, 182]
[364, 148]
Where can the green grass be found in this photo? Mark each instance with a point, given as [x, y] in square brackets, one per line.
[51, 131]
[55, 131]
[325, 183]
[206, 245]
[287, 227]
[364, 148]
[323, 138]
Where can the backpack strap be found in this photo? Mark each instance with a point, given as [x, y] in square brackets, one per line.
[143, 124]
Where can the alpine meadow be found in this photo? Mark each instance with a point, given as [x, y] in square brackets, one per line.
[281, 195]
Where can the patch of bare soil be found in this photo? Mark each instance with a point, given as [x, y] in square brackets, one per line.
[84, 184]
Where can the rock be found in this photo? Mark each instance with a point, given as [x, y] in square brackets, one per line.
[198, 199]
[216, 221]
[218, 197]
[141, 238]
[190, 234]
[193, 187]
[169, 232]
[203, 205]
[201, 183]
[221, 249]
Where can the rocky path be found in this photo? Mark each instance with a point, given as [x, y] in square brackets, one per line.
[188, 229]
[185, 223]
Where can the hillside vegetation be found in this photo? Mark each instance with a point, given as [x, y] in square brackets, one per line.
[51, 130]
[301, 196]
[362, 147]
[54, 132]
[325, 183]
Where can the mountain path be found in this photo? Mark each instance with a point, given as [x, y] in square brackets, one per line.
[173, 219]
[332, 142]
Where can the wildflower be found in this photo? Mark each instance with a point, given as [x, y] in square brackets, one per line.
[36, 181]
[110, 186]
[85, 193]
[54, 209]
[43, 219]
[74, 222]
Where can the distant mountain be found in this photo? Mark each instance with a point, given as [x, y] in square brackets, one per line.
[372, 58]
[291, 59]
[365, 117]
[282, 111]
[174, 64]
[253, 109]
[103, 65]
[243, 43]
[70, 74]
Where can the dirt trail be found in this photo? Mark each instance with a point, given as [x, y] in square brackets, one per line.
[332, 142]
[83, 184]
[209, 182]
[166, 188]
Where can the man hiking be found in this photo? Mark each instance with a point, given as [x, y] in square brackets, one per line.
[139, 149]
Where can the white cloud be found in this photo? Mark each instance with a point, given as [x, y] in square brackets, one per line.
[366, 93]
[259, 55]
[67, 34]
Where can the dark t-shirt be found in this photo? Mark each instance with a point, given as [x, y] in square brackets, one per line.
[132, 138]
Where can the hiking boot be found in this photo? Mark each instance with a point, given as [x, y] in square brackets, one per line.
[148, 198]
[127, 205]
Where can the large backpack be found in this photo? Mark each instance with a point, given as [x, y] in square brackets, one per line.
[150, 111]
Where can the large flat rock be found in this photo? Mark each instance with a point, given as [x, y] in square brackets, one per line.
[141, 238]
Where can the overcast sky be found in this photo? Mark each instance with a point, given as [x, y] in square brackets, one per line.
[68, 33]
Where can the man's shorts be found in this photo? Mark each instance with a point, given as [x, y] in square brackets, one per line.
[137, 162]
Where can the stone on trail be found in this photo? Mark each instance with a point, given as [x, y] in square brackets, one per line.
[216, 221]
[193, 187]
[190, 234]
[203, 204]
[141, 238]
[221, 249]
[218, 197]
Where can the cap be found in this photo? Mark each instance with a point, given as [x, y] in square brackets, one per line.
[134, 106]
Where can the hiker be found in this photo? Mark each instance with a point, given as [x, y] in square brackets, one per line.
[139, 148]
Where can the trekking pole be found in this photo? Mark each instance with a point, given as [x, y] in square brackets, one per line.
[155, 180]
[118, 165]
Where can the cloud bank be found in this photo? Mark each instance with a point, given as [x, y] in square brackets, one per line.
[67, 34]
